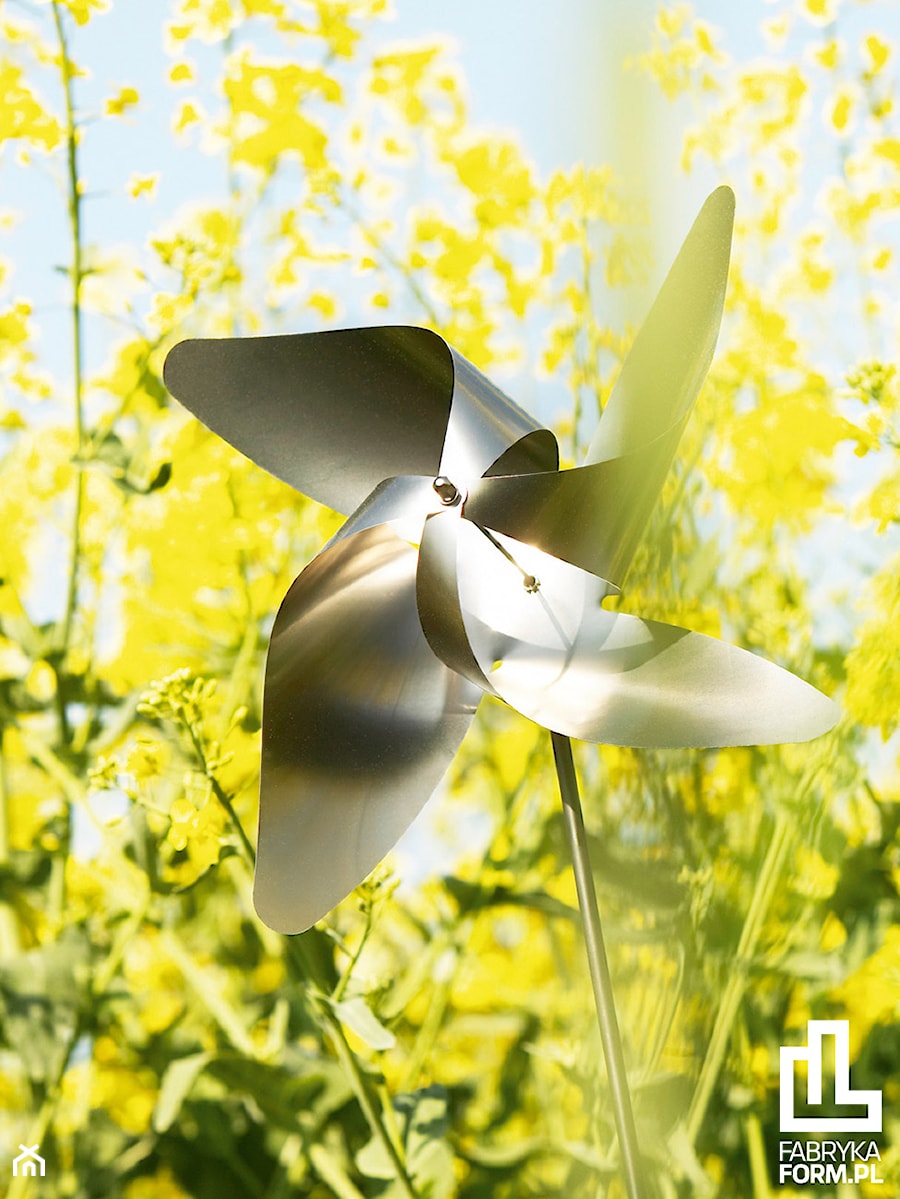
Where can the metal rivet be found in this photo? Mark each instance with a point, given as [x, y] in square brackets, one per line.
[449, 493]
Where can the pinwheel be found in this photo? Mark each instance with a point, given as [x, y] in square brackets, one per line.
[471, 564]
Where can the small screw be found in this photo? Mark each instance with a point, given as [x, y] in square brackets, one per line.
[531, 584]
[448, 492]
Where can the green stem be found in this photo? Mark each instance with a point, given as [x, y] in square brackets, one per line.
[74, 204]
[298, 957]
[343, 981]
[756, 1151]
[225, 801]
[57, 887]
[370, 1109]
[439, 1003]
[737, 979]
[394, 262]
[222, 796]
[129, 930]
[332, 1174]
[10, 941]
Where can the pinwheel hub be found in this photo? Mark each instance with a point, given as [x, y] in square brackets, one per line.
[450, 495]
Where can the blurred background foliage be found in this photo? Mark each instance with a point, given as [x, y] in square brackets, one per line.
[434, 1036]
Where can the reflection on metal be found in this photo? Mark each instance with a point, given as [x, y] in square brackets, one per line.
[381, 651]
[515, 559]
[348, 654]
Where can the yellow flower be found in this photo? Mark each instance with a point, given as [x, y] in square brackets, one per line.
[815, 878]
[21, 113]
[161, 1185]
[841, 110]
[147, 759]
[878, 52]
[266, 101]
[83, 10]
[829, 55]
[820, 12]
[188, 114]
[124, 99]
[127, 1093]
[323, 303]
[14, 326]
[14, 662]
[143, 185]
[268, 975]
[155, 982]
[872, 994]
[182, 72]
[833, 934]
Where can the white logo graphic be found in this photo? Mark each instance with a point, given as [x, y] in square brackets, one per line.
[29, 1163]
[816, 1031]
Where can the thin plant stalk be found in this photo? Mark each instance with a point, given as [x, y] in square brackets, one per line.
[77, 276]
[756, 1152]
[737, 980]
[10, 941]
[58, 878]
[598, 965]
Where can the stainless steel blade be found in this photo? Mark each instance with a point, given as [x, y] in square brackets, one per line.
[559, 658]
[331, 413]
[360, 721]
[403, 503]
[488, 432]
[437, 597]
[594, 516]
[665, 368]
[335, 413]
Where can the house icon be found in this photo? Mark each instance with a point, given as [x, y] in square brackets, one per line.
[29, 1163]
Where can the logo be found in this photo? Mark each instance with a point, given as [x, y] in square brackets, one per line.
[29, 1163]
[817, 1030]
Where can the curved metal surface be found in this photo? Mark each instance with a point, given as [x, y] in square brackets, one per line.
[360, 721]
[437, 598]
[594, 516]
[670, 355]
[335, 413]
[591, 516]
[331, 413]
[563, 661]
[485, 425]
[403, 503]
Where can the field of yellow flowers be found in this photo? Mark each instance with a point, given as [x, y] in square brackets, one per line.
[436, 1038]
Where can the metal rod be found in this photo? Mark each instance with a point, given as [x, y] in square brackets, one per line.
[531, 583]
[598, 965]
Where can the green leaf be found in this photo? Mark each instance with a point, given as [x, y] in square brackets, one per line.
[176, 1083]
[373, 1160]
[423, 1121]
[356, 1015]
[42, 993]
[279, 1094]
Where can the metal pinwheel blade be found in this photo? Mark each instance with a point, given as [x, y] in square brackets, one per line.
[381, 650]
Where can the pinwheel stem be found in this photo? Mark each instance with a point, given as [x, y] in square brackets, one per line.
[531, 583]
[597, 964]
